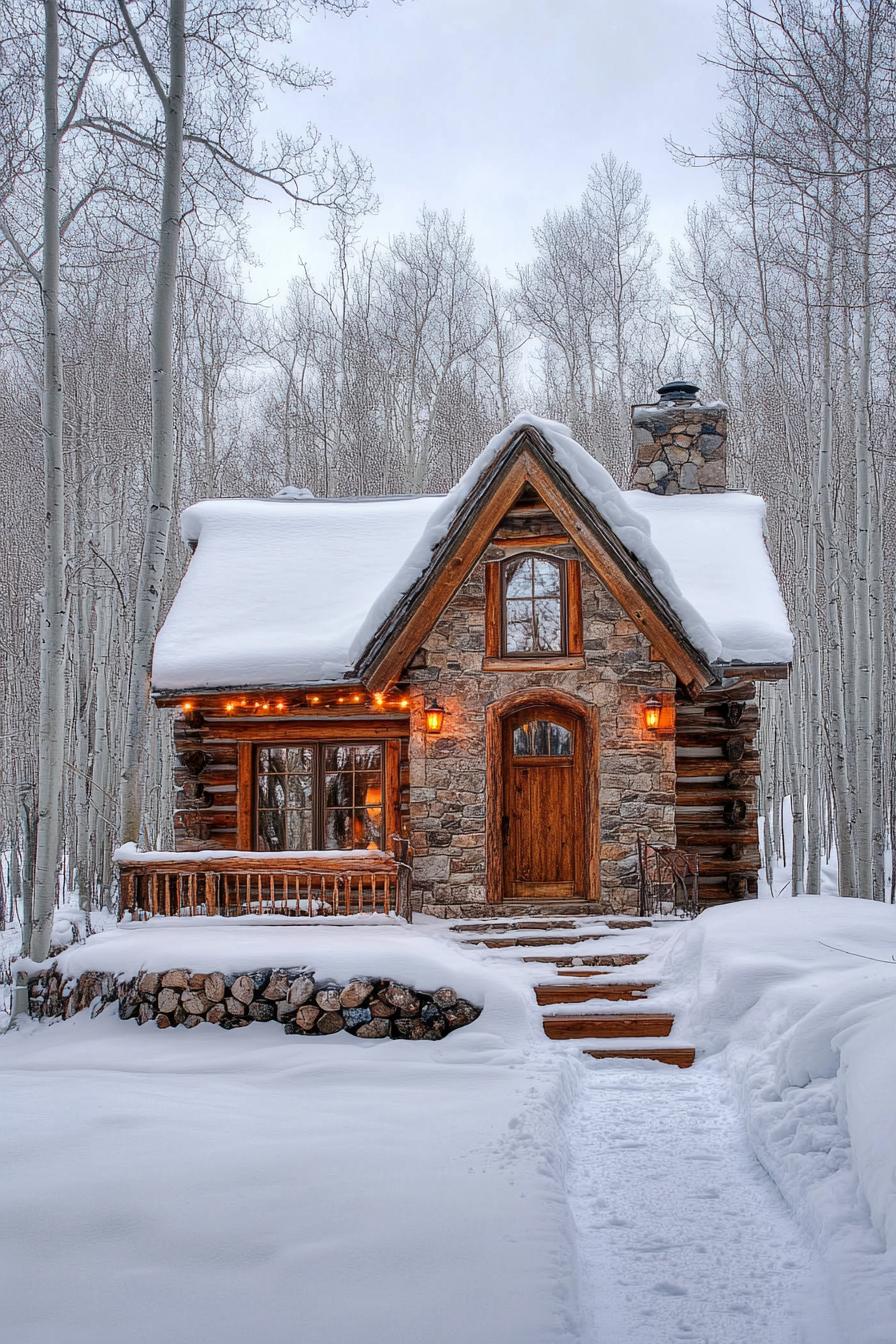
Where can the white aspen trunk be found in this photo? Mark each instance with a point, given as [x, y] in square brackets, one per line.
[839, 772]
[864, 729]
[51, 731]
[878, 675]
[812, 718]
[161, 478]
[83, 764]
[26, 830]
[16, 902]
[98, 805]
[797, 783]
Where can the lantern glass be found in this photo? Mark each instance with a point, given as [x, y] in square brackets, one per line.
[434, 716]
[652, 714]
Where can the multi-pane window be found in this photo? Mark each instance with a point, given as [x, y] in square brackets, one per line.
[533, 588]
[353, 797]
[285, 796]
[540, 737]
[320, 796]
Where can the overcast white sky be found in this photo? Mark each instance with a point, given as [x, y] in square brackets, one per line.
[496, 108]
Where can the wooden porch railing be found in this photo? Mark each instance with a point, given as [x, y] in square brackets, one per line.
[294, 885]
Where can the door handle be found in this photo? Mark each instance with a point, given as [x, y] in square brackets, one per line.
[505, 829]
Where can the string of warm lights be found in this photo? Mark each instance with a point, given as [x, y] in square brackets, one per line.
[248, 706]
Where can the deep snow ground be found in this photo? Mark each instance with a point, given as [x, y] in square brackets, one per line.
[682, 1235]
[260, 1185]
[211, 1185]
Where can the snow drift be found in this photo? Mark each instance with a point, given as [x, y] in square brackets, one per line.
[800, 997]
[227, 1185]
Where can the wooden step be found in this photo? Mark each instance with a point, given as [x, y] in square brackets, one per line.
[680, 1055]
[586, 1025]
[544, 940]
[592, 963]
[581, 993]
[514, 925]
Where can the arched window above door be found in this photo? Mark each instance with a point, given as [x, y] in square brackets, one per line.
[542, 737]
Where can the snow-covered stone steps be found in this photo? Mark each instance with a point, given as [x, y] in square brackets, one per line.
[576, 1026]
[584, 992]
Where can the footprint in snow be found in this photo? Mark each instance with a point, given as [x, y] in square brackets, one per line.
[666, 1289]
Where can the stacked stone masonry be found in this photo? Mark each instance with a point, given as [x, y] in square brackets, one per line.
[680, 449]
[304, 1005]
[450, 775]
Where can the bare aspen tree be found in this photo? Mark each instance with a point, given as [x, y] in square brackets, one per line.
[154, 552]
[51, 733]
[219, 46]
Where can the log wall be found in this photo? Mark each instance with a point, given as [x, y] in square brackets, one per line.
[717, 765]
[213, 805]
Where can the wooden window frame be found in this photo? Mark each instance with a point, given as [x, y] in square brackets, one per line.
[556, 562]
[572, 652]
[318, 772]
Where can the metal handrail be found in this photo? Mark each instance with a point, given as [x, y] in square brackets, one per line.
[668, 880]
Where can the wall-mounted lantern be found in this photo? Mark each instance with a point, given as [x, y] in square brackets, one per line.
[435, 714]
[652, 710]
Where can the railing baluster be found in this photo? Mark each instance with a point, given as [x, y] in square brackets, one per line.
[194, 887]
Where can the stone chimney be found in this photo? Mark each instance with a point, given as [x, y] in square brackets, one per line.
[679, 444]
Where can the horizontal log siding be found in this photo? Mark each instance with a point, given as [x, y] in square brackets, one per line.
[717, 767]
[206, 805]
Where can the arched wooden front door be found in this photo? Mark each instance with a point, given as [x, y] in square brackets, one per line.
[543, 800]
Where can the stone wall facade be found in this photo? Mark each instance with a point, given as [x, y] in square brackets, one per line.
[450, 776]
[680, 449]
[304, 1005]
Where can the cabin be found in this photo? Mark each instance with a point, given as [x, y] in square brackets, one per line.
[474, 703]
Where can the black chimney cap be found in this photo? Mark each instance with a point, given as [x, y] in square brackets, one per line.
[678, 390]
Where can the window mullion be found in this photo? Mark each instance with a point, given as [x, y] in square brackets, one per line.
[317, 796]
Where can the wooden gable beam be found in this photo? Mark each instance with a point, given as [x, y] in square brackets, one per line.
[524, 463]
[451, 568]
[623, 578]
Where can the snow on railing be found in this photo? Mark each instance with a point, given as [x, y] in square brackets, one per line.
[297, 883]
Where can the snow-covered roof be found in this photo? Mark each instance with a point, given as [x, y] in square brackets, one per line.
[277, 589]
[290, 591]
[715, 548]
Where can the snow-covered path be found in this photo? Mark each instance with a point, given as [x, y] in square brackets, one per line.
[683, 1237]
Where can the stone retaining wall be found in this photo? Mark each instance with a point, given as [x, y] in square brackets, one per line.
[293, 996]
